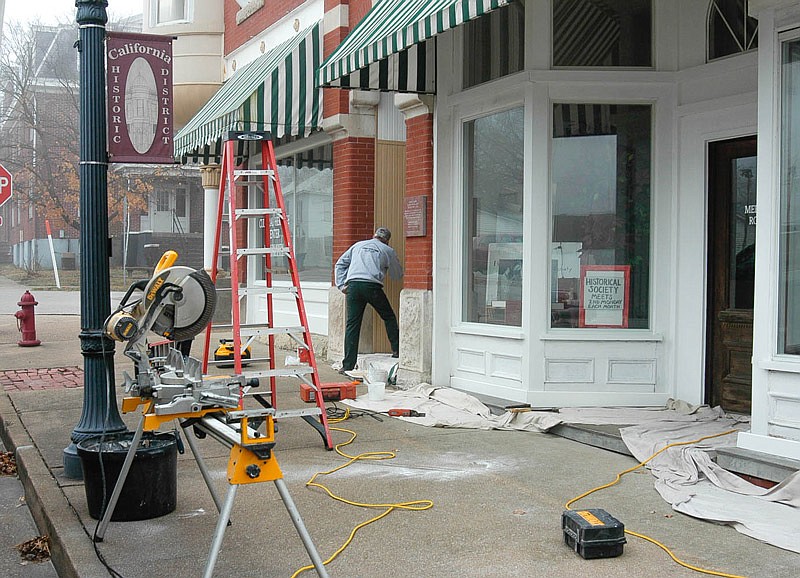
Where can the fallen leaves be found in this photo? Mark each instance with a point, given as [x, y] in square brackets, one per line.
[8, 465]
[35, 550]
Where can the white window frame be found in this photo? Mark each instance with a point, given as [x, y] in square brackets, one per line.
[510, 99]
[188, 11]
[628, 95]
[785, 361]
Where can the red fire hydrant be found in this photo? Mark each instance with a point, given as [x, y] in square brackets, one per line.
[26, 320]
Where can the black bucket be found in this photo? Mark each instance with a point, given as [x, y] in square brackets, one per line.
[151, 488]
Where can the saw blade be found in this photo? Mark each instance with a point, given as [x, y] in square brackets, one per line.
[192, 308]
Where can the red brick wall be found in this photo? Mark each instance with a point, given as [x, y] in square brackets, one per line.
[354, 192]
[419, 181]
[359, 9]
[238, 34]
[335, 101]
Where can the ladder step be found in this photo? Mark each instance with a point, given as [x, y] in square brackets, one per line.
[261, 290]
[252, 172]
[250, 213]
[284, 251]
[253, 329]
[245, 361]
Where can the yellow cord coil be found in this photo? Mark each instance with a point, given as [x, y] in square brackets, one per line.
[415, 505]
[648, 538]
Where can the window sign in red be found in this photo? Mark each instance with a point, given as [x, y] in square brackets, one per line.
[605, 295]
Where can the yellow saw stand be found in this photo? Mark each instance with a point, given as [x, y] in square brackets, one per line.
[251, 461]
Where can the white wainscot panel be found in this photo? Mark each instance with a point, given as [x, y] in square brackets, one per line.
[471, 361]
[632, 371]
[784, 403]
[505, 366]
[568, 370]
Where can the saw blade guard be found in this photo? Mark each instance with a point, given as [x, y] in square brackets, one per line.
[186, 311]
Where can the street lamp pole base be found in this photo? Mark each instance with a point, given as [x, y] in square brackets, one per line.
[72, 463]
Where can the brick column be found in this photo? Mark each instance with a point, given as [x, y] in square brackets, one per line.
[416, 298]
[419, 182]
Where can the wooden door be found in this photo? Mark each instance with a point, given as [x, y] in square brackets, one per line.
[390, 186]
[731, 272]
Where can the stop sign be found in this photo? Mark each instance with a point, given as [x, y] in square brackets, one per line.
[6, 185]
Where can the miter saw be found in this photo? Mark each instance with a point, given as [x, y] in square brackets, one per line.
[177, 303]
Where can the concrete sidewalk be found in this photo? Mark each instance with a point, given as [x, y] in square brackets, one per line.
[498, 498]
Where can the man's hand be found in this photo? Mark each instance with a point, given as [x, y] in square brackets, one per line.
[343, 289]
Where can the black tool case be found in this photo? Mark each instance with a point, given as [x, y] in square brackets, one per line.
[593, 533]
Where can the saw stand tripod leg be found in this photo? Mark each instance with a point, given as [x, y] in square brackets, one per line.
[123, 474]
[225, 514]
[219, 533]
[301, 528]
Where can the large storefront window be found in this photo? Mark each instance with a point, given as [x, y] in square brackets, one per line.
[307, 184]
[789, 264]
[600, 254]
[602, 32]
[494, 45]
[493, 166]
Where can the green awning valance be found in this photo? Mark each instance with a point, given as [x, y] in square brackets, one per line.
[393, 47]
[274, 93]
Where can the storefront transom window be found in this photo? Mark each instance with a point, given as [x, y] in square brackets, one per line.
[493, 167]
[494, 44]
[789, 263]
[602, 33]
[600, 252]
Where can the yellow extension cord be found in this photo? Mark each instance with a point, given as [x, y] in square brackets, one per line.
[648, 538]
[417, 505]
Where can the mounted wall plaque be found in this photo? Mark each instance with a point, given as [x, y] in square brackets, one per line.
[415, 216]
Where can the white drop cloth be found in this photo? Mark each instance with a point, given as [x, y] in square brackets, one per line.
[686, 476]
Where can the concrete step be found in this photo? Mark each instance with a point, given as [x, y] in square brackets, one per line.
[756, 465]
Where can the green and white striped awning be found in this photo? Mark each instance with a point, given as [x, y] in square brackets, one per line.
[393, 47]
[274, 93]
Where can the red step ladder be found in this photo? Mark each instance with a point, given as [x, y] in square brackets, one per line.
[243, 334]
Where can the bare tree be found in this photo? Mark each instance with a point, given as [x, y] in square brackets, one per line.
[39, 124]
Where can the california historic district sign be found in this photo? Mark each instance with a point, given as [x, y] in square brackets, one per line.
[139, 85]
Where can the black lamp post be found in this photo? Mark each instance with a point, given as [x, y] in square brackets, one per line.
[100, 413]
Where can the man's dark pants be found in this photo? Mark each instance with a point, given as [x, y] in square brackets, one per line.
[359, 294]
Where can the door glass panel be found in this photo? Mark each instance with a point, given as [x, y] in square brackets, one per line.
[743, 233]
[493, 166]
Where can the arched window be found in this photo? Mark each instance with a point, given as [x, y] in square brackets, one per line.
[730, 29]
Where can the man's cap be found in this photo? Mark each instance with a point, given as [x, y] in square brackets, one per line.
[383, 233]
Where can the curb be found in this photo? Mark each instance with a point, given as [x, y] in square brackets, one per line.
[71, 548]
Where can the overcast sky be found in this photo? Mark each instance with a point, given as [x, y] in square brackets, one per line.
[55, 11]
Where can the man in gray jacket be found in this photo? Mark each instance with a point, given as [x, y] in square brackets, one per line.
[360, 272]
